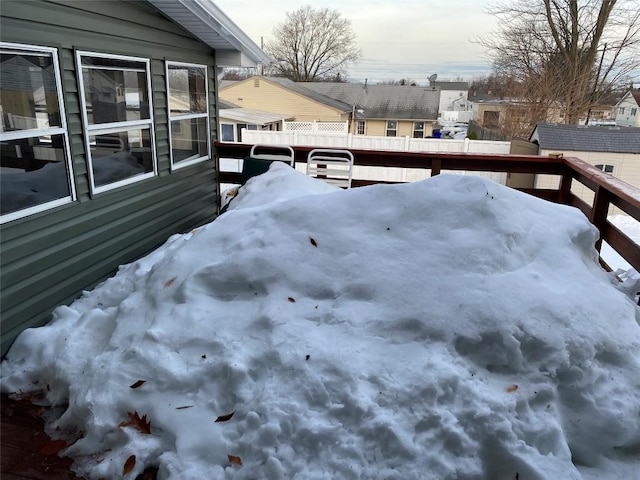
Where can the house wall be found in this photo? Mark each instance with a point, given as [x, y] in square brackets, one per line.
[378, 128]
[47, 259]
[626, 167]
[261, 94]
[628, 112]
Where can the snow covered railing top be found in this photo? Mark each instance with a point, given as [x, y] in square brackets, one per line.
[608, 190]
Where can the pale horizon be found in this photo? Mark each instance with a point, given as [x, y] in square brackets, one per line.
[402, 39]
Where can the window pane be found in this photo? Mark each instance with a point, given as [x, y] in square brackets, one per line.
[187, 89]
[115, 90]
[28, 96]
[188, 139]
[227, 132]
[33, 171]
[116, 156]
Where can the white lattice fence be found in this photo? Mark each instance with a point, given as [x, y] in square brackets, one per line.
[321, 127]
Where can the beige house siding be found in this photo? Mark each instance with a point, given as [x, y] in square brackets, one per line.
[626, 167]
[378, 127]
[261, 94]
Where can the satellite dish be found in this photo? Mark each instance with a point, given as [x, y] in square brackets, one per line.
[432, 78]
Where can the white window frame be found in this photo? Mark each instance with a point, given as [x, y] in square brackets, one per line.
[61, 130]
[364, 127]
[114, 127]
[387, 130]
[189, 116]
[424, 126]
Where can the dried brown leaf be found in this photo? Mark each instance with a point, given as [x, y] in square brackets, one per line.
[313, 242]
[292, 300]
[129, 464]
[52, 448]
[225, 418]
[512, 388]
[170, 282]
[137, 422]
[183, 407]
[139, 383]
[234, 460]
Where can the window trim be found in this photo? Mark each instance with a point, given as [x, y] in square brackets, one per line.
[387, 130]
[34, 50]
[191, 160]
[114, 127]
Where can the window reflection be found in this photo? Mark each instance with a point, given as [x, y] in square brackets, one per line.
[33, 172]
[118, 156]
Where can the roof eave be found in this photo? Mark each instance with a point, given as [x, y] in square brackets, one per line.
[207, 22]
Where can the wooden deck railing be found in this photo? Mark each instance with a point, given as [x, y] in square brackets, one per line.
[607, 189]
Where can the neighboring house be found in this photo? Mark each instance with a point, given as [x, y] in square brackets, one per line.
[385, 110]
[614, 150]
[513, 117]
[282, 96]
[628, 110]
[234, 119]
[108, 114]
[453, 96]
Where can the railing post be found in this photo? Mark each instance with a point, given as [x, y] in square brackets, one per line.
[599, 212]
[565, 188]
[436, 165]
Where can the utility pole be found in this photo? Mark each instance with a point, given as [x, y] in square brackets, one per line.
[261, 48]
[595, 83]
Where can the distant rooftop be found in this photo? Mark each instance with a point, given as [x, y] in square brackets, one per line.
[383, 101]
[444, 85]
[582, 138]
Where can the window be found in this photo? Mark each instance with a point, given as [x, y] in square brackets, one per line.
[605, 168]
[226, 132]
[360, 127]
[188, 113]
[35, 173]
[418, 129]
[240, 126]
[392, 128]
[633, 112]
[621, 110]
[116, 110]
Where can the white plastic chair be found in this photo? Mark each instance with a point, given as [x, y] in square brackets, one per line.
[283, 153]
[333, 166]
[258, 163]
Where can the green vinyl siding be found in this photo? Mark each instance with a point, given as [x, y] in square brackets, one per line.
[49, 258]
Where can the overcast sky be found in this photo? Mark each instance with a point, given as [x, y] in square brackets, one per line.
[399, 39]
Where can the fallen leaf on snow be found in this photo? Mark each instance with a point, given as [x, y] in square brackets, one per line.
[129, 464]
[313, 242]
[512, 388]
[225, 418]
[139, 383]
[234, 460]
[183, 407]
[136, 422]
[170, 282]
[292, 300]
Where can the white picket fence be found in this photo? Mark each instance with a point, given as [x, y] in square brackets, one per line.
[366, 142]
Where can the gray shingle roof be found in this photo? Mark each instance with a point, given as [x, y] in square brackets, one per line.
[587, 139]
[451, 85]
[383, 101]
[300, 87]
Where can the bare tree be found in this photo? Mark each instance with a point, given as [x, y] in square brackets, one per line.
[562, 56]
[313, 44]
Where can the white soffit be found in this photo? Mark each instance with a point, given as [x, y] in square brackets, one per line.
[204, 20]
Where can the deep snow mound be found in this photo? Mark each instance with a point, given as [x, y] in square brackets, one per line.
[450, 328]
